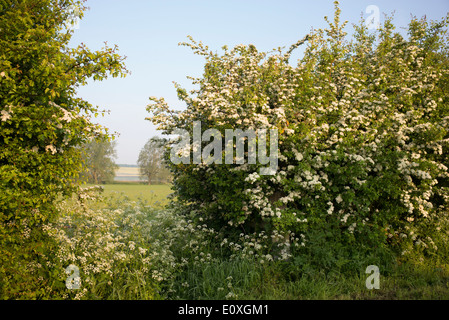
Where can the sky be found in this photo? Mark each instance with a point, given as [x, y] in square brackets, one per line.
[147, 32]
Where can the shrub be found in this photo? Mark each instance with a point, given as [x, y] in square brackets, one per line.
[363, 133]
[42, 125]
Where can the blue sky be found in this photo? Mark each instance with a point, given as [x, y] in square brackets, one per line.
[148, 33]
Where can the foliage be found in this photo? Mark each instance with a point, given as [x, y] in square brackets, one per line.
[98, 161]
[151, 162]
[42, 125]
[108, 241]
[363, 167]
[131, 250]
[363, 134]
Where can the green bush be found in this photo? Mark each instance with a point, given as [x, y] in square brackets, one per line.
[42, 125]
[363, 132]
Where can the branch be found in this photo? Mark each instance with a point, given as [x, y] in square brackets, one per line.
[294, 46]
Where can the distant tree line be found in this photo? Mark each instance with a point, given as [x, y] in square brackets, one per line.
[99, 165]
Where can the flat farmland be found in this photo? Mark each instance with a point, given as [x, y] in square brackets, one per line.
[154, 194]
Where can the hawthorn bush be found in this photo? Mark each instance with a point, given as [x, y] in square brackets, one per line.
[42, 125]
[363, 133]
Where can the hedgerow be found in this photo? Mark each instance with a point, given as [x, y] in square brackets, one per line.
[363, 133]
[42, 126]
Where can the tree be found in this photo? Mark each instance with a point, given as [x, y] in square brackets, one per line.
[99, 161]
[151, 161]
[43, 124]
[363, 132]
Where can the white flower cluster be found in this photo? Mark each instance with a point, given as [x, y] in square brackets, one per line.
[50, 148]
[253, 177]
[357, 126]
[67, 115]
[6, 114]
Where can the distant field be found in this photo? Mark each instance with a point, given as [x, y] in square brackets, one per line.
[151, 193]
[127, 181]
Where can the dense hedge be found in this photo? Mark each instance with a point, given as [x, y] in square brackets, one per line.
[363, 132]
[42, 125]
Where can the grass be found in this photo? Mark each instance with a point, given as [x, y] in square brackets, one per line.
[154, 194]
[248, 281]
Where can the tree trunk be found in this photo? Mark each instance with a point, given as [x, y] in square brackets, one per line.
[95, 177]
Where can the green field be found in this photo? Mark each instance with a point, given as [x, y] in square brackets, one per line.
[154, 194]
